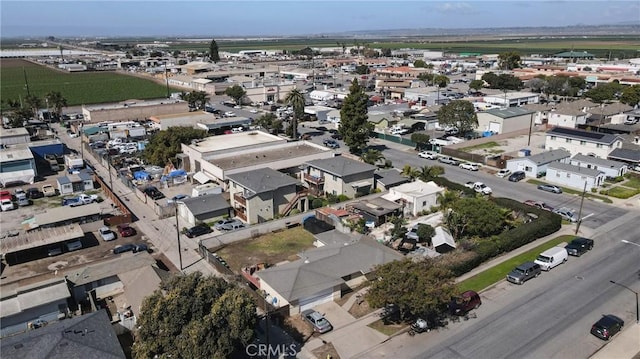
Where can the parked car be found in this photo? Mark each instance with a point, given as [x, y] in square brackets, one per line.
[469, 166]
[517, 176]
[449, 161]
[331, 143]
[153, 192]
[73, 246]
[54, 251]
[538, 204]
[607, 326]
[466, 302]
[6, 205]
[550, 188]
[479, 187]
[34, 193]
[126, 231]
[428, 155]
[198, 230]
[106, 234]
[503, 173]
[579, 246]
[319, 323]
[124, 248]
[524, 272]
[140, 247]
[336, 136]
[551, 258]
[232, 226]
[222, 222]
[568, 214]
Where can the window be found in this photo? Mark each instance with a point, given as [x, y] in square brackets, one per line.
[557, 174]
[424, 203]
[567, 140]
[528, 169]
[583, 143]
[553, 138]
[599, 145]
[335, 178]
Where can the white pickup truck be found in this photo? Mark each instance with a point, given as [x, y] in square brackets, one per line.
[479, 187]
[80, 200]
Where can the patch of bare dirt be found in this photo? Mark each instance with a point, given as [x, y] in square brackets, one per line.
[327, 351]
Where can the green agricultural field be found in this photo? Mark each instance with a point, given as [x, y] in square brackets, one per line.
[77, 88]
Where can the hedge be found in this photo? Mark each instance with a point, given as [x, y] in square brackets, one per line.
[453, 186]
[546, 224]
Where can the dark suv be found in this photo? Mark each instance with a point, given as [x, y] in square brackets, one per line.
[153, 192]
[198, 230]
[607, 326]
[466, 302]
[524, 272]
[517, 176]
[579, 246]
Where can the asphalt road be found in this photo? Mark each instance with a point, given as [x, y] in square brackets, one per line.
[547, 317]
[601, 212]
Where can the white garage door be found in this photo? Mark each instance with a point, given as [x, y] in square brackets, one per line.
[310, 302]
[494, 127]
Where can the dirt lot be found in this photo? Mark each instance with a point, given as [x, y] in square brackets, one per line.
[271, 248]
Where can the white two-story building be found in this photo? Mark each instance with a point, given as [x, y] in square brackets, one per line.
[594, 144]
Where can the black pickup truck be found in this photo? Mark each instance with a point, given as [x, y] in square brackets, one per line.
[579, 246]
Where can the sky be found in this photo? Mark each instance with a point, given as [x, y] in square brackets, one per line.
[88, 18]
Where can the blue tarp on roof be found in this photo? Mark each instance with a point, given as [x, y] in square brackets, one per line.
[141, 176]
[177, 173]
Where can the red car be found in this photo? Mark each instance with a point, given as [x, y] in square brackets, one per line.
[126, 231]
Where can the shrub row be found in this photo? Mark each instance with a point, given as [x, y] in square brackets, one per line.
[453, 186]
[546, 224]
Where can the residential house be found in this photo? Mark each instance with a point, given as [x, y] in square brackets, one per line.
[386, 179]
[564, 174]
[567, 117]
[376, 210]
[610, 168]
[323, 274]
[576, 141]
[628, 155]
[204, 208]
[338, 176]
[77, 182]
[263, 194]
[23, 304]
[611, 113]
[416, 196]
[505, 120]
[86, 336]
[536, 165]
[381, 120]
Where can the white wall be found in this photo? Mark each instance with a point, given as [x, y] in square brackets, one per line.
[573, 180]
[583, 147]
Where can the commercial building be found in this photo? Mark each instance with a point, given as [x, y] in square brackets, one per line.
[505, 120]
[133, 110]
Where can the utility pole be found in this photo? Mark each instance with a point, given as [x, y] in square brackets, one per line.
[584, 191]
[166, 76]
[530, 125]
[25, 81]
[178, 235]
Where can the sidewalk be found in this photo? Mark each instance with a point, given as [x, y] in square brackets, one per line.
[625, 345]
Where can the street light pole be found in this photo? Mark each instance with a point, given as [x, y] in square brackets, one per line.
[637, 302]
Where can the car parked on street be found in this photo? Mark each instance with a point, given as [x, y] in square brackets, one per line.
[517, 176]
[550, 188]
[232, 226]
[469, 166]
[607, 326]
[198, 230]
[524, 272]
[428, 155]
[449, 160]
[503, 173]
[579, 246]
[319, 323]
[568, 214]
[106, 234]
[124, 248]
[465, 303]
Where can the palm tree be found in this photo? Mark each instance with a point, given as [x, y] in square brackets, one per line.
[447, 199]
[428, 173]
[441, 81]
[33, 103]
[56, 101]
[410, 172]
[295, 98]
[372, 157]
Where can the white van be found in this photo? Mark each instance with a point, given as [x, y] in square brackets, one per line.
[552, 257]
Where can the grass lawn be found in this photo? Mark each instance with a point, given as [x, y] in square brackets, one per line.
[495, 274]
[78, 88]
[270, 248]
[621, 192]
[388, 329]
[633, 182]
[480, 146]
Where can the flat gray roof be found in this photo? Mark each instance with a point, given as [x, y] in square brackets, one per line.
[130, 103]
[66, 213]
[16, 300]
[15, 154]
[269, 154]
[234, 140]
[205, 204]
[341, 166]
[110, 267]
[574, 169]
[41, 237]
[601, 162]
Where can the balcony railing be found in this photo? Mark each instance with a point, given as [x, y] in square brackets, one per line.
[313, 179]
[241, 215]
[239, 199]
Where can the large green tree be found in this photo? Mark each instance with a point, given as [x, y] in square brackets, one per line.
[56, 101]
[372, 157]
[420, 139]
[631, 95]
[419, 63]
[34, 103]
[296, 100]
[509, 60]
[354, 125]
[603, 92]
[428, 173]
[475, 216]
[166, 144]
[476, 85]
[236, 92]
[426, 77]
[417, 288]
[441, 81]
[213, 52]
[196, 99]
[460, 114]
[270, 122]
[195, 317]
[502, 82]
